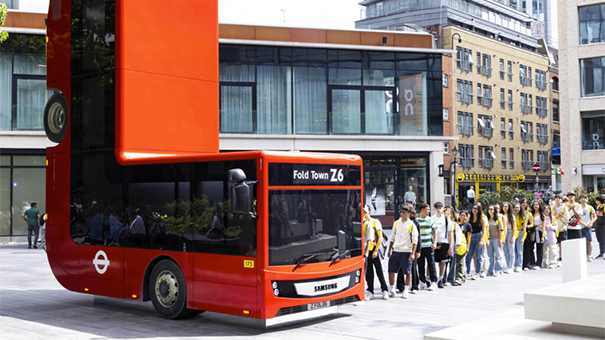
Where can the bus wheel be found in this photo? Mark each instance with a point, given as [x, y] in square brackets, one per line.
[56, 115]
[169, 290]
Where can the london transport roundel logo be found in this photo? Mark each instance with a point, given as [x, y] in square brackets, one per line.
[101, 262]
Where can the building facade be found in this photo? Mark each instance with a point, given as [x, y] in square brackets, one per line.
[376, 94]
[582, 102]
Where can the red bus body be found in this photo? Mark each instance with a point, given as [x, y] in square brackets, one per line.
[165, 113]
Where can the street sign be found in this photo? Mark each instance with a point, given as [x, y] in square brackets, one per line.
[536, 167]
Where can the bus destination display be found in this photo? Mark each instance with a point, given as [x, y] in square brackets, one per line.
[314, 174]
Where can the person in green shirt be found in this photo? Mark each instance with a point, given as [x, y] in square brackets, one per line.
[32, 217]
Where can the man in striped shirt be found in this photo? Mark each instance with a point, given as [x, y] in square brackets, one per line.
[428, 236]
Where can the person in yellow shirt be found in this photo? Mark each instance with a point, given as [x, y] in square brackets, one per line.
[373, 240]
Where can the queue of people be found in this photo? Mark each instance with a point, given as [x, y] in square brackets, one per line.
[482, 242]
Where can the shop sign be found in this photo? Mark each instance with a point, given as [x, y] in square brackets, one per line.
[489, 178]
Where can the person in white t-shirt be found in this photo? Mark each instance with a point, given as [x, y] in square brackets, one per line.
[402, 251]
[470, 196]
[587, 219]
[445, 241]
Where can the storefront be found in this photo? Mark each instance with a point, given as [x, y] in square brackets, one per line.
[391, 181]
[594, 176]
[483, 183]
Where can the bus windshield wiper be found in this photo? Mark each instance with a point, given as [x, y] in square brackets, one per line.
[338, 254]
[304, 258]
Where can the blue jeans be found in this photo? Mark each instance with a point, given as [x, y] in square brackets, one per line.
[509, 249]
[519, 250]
[495, 257]
[474, 248]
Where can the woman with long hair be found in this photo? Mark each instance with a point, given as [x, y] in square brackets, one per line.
[533, 236]
[494, 242]
[521, 230]
[550, 241]
[509, 241]
[478, 224]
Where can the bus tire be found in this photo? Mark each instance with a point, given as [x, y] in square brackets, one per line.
[56, 116]
[168, 290]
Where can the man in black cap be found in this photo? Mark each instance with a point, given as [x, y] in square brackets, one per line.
[32, 217]
[574, 211]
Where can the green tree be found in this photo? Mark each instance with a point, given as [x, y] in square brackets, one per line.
[3, 14]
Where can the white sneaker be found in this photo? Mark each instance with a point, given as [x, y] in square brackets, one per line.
[422, 286]
[447, 284]
[369, 297]
[474, 277]
[518, 270]
[525, 269]
[406, 294]
[482, 275]
[552, 266]
[385, 295]
[590, 259]
[559, 263]
[433, 287]
[535, 268]
[508, 271]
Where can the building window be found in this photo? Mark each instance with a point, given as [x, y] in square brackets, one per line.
[555, 111]
[555, 84]
[487, 96]
[464, 59]
[511, 131]
[543, 160]
[465, 123]
[527, 159]
[525, 109]
[502, 99]
[467, 158]
[504, 158]
[509, 72]
[485, 127]
[486, 65]
[541, 80]
[446, 147]
[525, 75]
[446, 114]
[510, 100]
[444, 80]
[593, 76]
[23, 92]
[464, 91]
[592, 24]
[593, 130]
[503, 128]
[486, 157]
[511, 158]
[542, 133]
[502, 72]
[527, 133]
[541, 109]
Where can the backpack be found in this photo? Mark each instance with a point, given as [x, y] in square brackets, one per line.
[459, 234]
[42, 219]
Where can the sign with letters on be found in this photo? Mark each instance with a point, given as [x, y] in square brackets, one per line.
[288, 174]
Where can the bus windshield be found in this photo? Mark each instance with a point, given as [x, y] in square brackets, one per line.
[313, 222]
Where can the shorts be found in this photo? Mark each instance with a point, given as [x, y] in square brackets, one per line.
[587, 234]
[441, 253]
[400, 260]
[573, 234]
[562, 236]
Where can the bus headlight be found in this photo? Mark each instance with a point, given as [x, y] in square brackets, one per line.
[276, 292]
[357, 279]
[274, 285]
[358, 273]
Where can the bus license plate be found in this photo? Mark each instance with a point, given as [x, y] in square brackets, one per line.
[318, 305]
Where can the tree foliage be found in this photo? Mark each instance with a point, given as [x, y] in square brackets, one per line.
[3, 14]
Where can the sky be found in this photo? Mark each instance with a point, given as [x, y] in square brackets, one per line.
[296, 13]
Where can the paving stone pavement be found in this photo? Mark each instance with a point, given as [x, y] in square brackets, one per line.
[34, 306]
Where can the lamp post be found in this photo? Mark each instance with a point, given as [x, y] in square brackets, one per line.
[454, 193]
[459, 39]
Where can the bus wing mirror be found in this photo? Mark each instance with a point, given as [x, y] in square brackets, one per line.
[241, 193]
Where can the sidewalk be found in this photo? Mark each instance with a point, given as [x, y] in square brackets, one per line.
[34, 306]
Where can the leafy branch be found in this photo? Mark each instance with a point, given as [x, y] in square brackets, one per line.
[3, 14]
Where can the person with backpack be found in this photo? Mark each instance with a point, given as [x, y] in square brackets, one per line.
[42, 238]
[494, 242]
[574, 211]
[445, 241]
[400, 277]
[373, 240]
[462, 250]
[459, 248]
[428, 234]
[402, 251]
[587, 220]
[511, 234]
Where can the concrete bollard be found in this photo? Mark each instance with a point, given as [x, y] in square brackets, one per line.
[574, 260]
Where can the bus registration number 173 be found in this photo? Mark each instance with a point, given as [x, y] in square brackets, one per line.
[318, 305]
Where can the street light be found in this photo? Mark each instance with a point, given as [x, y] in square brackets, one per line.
[454, 161]
[459, 39]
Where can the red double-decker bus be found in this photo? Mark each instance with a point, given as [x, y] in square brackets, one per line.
[141, 204]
